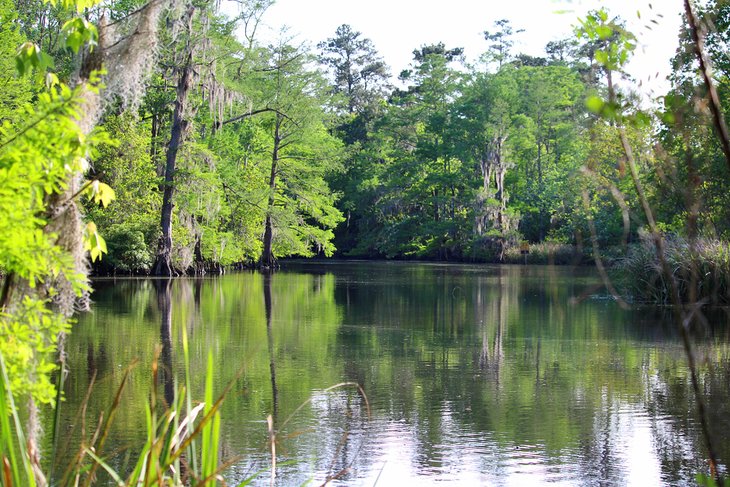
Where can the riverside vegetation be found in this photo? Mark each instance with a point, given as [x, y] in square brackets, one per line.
[165, 136]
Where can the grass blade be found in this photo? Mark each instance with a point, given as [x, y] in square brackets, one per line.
[8, 410]
[106, 467]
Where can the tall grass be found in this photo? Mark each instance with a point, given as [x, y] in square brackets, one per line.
[169, 457]
[641, 278]
[17, 468]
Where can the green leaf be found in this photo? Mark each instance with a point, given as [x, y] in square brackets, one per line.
[604, 31]
[79, 5]
[105, 194]
[74, 40]
[594, 104]
[52, 80]
[100, 193]
[19, 66]
[79, 32]
[642, 119]
[668, 118]
[93, 242]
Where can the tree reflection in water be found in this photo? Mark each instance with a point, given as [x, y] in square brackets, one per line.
[475, 373]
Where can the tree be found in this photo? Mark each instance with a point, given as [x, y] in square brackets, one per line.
[205, 87]
[14, 91]
[551, 97]
[300, 212]
[130, 226]
[488, 108]
[180, 125]
[358, 72]
[561, 51]
[423, 203]
[689, 131]
[359, 78]
[500, 41]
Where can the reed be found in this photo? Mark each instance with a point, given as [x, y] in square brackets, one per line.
[640, 277]
[17, 468]
[169, 456]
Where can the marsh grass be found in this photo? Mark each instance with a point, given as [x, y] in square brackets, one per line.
[640, 277]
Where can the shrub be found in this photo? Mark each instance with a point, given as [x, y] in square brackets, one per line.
[128, 249]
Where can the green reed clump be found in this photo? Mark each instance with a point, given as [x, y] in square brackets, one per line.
[181, 448]
[640, 277]
[17, 465]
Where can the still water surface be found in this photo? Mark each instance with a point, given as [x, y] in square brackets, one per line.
[475, 375]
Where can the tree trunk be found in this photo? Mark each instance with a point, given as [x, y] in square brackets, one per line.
[267, 256]
[487, 167]
[180, 124]
[126, 61]
[501, 169]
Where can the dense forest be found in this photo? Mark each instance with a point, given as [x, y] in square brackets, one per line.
[236, 153]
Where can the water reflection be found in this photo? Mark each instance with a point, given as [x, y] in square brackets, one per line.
[270, 340]
[482, 375]
[164, 305]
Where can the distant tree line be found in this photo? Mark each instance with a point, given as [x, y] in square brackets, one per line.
[240, 153]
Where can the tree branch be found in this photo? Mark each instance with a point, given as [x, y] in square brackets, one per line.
[706, 70]
[255, 112]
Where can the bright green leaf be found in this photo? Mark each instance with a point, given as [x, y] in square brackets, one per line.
[594, 104]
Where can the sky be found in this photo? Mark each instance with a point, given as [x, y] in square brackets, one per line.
[397, 27]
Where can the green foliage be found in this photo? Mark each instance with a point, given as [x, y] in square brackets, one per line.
[615, 44]
[358, 74]
[127, 247]
[170, 435]
[79, 32]
[36, 161]
[500, 42]
[93, 242]
[30, 56]
[296, 153]
[29, 337]
[436, 160]
[33, 168]
[79, 5]
[16, 91]
[548, 252]
[129, 225]
[11, 432]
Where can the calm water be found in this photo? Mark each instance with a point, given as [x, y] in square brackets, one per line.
[475, 375]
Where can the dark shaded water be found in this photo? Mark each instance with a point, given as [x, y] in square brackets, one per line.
[476, 375]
